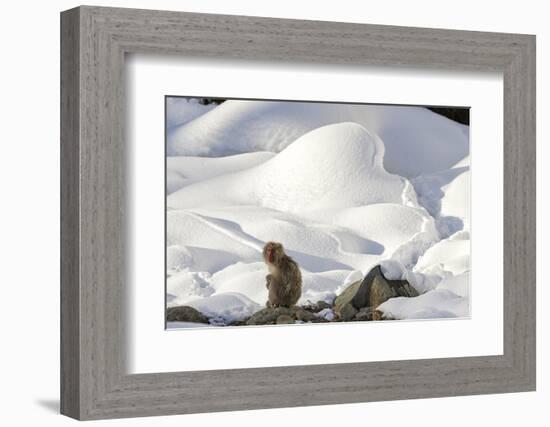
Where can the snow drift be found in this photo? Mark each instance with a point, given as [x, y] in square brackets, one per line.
[330, 167]
[417, 141]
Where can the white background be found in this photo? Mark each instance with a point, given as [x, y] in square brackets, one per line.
[29, 241]
[154, 350]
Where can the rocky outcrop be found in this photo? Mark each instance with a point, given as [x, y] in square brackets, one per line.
[283, 315]
[357, 303]
[368, 294]
[285, 319]
[185, 313]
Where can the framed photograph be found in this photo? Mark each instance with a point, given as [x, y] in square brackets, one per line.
[345, 212]
[278, 213]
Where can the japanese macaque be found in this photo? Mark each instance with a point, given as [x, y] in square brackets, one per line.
[284, 281]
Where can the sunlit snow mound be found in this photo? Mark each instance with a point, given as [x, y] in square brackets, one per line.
[335, 166]
[184, 170]
[417, 140]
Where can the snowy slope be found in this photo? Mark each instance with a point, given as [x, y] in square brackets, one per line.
[184, 170]
[180, 111]
[330, 167]
[417, 141]
[446, 196]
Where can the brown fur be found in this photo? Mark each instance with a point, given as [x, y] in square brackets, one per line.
[284, 281]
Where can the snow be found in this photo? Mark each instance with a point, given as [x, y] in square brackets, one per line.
[182, 171]
[433, 141]
[437, 303]
[459, 284]
[226, 307]
[451, 254]
[186, 286]
[330, 167]
[180, 111]
[343, 187]
[326, 314]
[446, 196]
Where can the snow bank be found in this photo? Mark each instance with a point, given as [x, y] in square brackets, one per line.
[226, 307]
[451, 255]
[446, 196]
[332, 167]
[245, 278]
[405, 232]
[212, 242]
[178, 257]
[180, 111]
[187, 286]
[438, 303]
[441, 275]
[182, 171]
[460, 284]
[417, 140]
[456, 202]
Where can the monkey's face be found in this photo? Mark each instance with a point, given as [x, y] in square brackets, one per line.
[272, 252]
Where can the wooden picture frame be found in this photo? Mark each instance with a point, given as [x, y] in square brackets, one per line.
[94, 41]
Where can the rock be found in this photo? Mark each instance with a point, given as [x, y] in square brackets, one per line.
[304, 315]
[363, 316]
[369, 314]
[326, 314]
[379, 289]
[284, 319]
[185, 313]
[371, 292]
[378, 315]
[237, 323]
[268, 316]
[272, 316]
[217, 321]
[347, 312]
[346, 296]
[322, 305]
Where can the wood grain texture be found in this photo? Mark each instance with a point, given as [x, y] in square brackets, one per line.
[70, 293]
[94, 382]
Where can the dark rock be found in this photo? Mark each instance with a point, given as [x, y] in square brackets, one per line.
[347, 312]
[320, 320]
[378, 315]
[369, 314]
[284, 319]
[238, 323]
[321, 305]
[279, 315]
[378, 289]
[363, 316]
[371, 292]
[346, 296]
[304, 315]
[184, 313]
[268, 316]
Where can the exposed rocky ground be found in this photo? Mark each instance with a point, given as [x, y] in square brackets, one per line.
[358, 302]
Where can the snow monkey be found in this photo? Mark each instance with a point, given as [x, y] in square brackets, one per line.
[284, 281]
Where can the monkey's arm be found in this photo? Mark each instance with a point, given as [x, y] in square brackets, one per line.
[267, 280]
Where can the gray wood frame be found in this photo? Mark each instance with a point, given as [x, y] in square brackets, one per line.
[94, 41]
